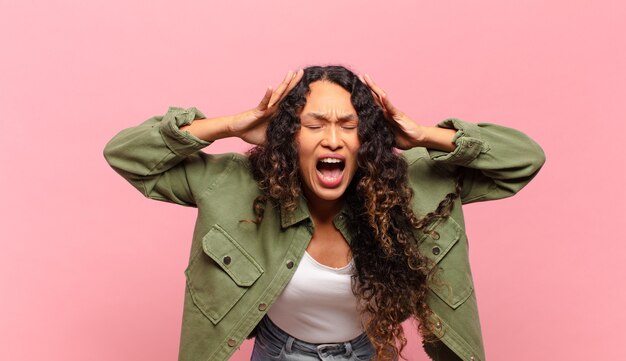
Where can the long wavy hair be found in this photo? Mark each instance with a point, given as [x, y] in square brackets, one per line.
[391, 276]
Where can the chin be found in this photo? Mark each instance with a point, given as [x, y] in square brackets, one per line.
[331, 195]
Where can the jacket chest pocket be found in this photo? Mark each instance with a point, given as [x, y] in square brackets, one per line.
[448, 249]
[220, 274]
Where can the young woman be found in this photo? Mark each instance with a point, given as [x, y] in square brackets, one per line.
[323, 239]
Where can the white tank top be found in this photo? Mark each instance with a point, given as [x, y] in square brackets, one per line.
[318, 305]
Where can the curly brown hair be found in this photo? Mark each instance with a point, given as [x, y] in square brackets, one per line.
[392, 277]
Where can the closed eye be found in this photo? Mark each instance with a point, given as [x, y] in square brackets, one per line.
[349, 125]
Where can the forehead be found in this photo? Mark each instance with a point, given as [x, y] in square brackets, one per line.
[327, 97]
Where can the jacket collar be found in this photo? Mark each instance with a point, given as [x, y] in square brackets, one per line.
[301, 213]
[288, 219]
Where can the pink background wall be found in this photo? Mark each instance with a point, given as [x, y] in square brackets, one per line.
[90, 270]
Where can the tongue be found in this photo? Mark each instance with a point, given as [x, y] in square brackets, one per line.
[330, 170]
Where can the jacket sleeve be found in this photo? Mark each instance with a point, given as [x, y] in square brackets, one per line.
[495, 161]
[163, 162]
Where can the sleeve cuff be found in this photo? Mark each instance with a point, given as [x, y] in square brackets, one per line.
[468, 140]
[181, 142]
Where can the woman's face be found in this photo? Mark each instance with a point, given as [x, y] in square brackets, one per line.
[327, 142]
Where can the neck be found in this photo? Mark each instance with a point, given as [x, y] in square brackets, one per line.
[323, 211]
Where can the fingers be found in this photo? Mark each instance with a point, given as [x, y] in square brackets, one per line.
[391, 109]
[380, 96]
[290, 81]
[294, 81]
[281, 88]
[378, 93]
[370, 83]
[264, 104]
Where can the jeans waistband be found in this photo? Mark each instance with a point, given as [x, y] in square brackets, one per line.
[292, 343]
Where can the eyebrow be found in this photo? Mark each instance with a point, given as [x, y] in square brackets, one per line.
[322, 116]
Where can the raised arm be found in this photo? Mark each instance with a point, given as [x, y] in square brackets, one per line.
[249, 125]
[161, 157]
[496, 161]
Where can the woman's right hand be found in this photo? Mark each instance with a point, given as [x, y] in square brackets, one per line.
[251, 125]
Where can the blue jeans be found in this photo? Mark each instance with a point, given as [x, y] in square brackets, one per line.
[273, 344]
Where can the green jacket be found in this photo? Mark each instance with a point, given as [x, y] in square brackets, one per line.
[237, 269]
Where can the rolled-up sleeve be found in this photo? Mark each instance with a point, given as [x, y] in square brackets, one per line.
[496, 161]
[162, 161]
[181, 142]
[468, 140]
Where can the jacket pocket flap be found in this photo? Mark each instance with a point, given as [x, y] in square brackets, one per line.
[231, 257]
[452, 282]
[437, 245]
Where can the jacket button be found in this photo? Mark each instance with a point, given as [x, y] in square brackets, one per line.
[435, 235]
[231, 342]
[262, 307]
[472, 358]
[438, 325]
[290, 264]
[226, 260]
[436, 250]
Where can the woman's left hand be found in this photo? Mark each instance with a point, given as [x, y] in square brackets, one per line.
[408, 133]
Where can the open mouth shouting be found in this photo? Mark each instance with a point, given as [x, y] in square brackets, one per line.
[328, 143]
[330, 170]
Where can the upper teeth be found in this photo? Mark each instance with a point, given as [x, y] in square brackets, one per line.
[330, 160]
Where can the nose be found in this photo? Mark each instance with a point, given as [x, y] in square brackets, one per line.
[332, 138]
